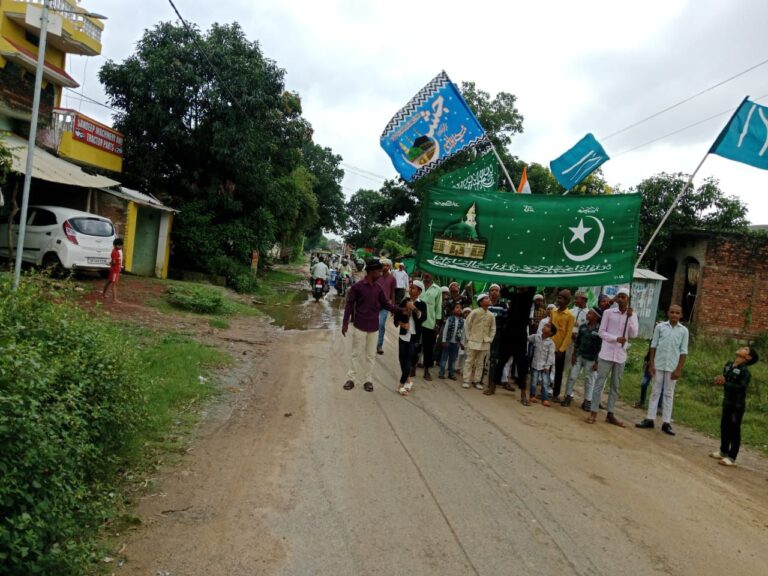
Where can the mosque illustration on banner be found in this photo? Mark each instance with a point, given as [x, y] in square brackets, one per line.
[422, 150]
[461, 239]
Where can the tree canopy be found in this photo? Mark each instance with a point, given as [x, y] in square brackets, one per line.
[703, 208]
[211, 129]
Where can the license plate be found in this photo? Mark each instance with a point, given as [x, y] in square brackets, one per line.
[96, 260]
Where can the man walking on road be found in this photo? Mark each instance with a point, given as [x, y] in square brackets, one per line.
[388, 284]
[616, 328]
[365, 300]
[433, 297]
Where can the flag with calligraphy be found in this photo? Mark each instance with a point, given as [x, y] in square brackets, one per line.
[745, 137]
[580, 161]
[482, 174]
[529, 240]
[431, 128]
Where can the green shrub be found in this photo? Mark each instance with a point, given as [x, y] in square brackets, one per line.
[196, 299]
[70, 404]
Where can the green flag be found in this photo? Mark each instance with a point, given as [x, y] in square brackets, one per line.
[529, 240]
[482, 174]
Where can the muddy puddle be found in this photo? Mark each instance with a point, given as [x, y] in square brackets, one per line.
[303, 313]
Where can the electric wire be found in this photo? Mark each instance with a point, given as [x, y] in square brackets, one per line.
[214, 71]
[683, 129]
[681, 102]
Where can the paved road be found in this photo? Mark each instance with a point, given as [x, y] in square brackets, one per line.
[296, 476]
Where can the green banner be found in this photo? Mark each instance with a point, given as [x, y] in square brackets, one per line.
[529, 240]
[482, 174]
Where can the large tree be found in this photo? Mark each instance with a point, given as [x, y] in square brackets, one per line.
[703, 208]
[210, 127]
[326, 168]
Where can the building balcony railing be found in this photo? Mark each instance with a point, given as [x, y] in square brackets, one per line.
[70, 11]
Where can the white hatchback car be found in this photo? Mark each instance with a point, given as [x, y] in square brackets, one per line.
[57, 236]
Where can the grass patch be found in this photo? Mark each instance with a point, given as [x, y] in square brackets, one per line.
[277, 287]
[176, 372]
[219, 323]
[697, 400]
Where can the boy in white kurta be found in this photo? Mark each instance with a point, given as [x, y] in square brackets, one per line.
[480, 328]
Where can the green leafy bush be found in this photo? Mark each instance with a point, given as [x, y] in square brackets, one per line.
[70, 404]
[196, 299]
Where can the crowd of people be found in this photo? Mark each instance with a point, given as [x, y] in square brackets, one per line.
[510, 335]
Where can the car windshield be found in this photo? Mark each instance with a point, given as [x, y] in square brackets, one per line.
[92, 226]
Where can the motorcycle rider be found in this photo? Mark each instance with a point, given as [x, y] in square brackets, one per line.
[344, 271]
[320, 270]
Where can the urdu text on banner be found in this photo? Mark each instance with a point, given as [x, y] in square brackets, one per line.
[529, 240]
[431, 128]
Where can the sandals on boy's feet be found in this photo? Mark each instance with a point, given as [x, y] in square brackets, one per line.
[348, 385]
[368, 386]
[591, 419]
[525, 402]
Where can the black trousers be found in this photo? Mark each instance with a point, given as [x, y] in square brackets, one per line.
[559, 369]
[428, 337]
[730, 431]
[406, 353]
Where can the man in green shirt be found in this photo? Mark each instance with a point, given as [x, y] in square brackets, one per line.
[433, 298]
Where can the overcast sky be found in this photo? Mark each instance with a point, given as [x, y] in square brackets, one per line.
[576, 67]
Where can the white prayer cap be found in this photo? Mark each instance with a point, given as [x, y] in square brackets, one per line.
[624, 291]
[419, 284]
[492, 286]
[538, 297]
[481, 296]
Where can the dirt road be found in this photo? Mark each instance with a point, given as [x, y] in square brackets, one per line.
[294, 476]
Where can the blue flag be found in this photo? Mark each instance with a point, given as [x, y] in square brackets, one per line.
[431, 128]
[578, 162]
[745, 137]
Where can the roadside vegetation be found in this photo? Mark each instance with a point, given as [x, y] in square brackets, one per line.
[89, 408]
[697, 400]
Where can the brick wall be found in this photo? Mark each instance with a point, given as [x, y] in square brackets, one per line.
[732, 298]
[113, 208]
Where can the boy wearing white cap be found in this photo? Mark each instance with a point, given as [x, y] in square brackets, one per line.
[480, 328]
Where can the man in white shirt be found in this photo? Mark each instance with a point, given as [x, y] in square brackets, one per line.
[401, 282]
[320, 270]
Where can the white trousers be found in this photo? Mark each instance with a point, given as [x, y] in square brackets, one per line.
[363, 355]
[473, 369]
[663, 380]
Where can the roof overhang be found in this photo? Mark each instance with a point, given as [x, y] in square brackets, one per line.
[28, 60]
[51, 168]
[138, 198]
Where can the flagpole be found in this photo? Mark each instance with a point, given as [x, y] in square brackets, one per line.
[511, 184]
[672, 207]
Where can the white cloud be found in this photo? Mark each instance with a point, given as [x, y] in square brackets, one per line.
[576, 67]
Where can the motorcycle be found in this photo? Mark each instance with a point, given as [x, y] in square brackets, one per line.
[318, 289]
[342, 285]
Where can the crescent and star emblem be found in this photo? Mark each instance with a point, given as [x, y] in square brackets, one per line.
[578, 234]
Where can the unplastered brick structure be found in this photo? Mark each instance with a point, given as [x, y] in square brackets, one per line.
[719, 280]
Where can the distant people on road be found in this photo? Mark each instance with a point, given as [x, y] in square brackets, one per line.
[401, 282]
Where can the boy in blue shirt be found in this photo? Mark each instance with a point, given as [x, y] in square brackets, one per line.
[735, 379]
[453, 329]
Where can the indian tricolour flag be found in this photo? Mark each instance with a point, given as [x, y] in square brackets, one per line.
[524, 187]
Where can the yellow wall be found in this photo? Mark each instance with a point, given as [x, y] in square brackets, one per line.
[130, 235]
[82, 152]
